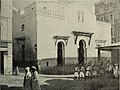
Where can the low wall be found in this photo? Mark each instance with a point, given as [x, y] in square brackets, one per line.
[51, 62]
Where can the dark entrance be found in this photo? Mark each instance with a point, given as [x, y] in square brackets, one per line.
[81, 52]
[60, 53]
[23, 53]
[1, 62]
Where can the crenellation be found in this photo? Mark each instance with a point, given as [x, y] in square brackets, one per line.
[60, 14]
[51, 13]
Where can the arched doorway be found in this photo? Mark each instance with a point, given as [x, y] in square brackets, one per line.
[60, 53]
[82, 52]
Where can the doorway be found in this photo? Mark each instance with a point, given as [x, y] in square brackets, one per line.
[1, 62]
[23, 53]
[82, 52]
[60, 53]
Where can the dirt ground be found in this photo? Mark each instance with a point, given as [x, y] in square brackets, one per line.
[47, 82]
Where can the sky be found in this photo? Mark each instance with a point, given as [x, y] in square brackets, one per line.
[21, 4]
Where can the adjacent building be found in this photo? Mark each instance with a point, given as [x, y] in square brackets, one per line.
[51, 33]
[109, 11]
[5, 36]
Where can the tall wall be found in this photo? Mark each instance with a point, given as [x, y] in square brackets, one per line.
[47, 19]
[28, 18]
[6, 13]
[48, 26]
[115, 56]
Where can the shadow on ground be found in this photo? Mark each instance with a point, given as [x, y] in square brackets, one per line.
[99, 83]
[105, 82]
[5, 87]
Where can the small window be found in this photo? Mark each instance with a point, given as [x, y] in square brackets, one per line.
[112, 32]
[22, 27]
[101, 9]
[44, 7]
[102, 18]
[112, 18]
[80, 16]
[110, 5]
[115, 32]
[47, 64]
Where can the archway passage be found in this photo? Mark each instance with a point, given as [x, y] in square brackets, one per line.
[60, 53]
[81, 52]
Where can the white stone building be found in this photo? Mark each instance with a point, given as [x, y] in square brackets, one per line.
[5, 36]
[52, 32]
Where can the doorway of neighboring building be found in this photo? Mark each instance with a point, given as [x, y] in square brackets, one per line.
[23, 53]
[1, 62]
[81, 52]
[60, 53]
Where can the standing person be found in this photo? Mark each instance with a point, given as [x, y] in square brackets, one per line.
[76, 75]
[102, 72]
[81, 74]
[27, 79]
[107, 66]
[110, 68]
[17, 70]
[94, 71]
[35, 80]
[88, 72]
[115, 70]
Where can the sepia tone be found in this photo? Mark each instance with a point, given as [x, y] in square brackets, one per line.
[72, 44]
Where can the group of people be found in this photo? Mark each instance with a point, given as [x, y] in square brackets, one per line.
[83, 72]
[31, 81]
[113, 68]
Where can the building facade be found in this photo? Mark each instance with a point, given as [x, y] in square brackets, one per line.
[5, 36]
[54, 33]
[109, 11]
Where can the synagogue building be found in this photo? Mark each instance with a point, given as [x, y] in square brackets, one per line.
[50, 33]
